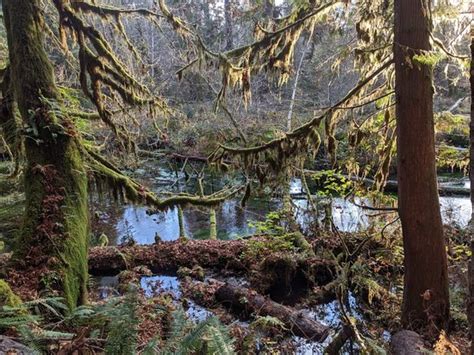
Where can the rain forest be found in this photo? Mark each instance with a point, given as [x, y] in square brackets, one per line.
[236, 177]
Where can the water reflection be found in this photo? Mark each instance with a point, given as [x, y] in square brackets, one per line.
[123, 222]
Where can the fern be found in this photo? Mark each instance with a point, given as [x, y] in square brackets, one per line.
[152, 347]
[123, 326]
[207, 337]
[54, 305]
[219, 341]
[179, 326]
[30, 339]
[193, 341]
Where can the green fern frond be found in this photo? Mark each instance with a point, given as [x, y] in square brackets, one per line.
[219, 342]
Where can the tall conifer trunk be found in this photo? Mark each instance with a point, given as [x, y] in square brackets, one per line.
[426, 296]
[55, 228]
[471, 131]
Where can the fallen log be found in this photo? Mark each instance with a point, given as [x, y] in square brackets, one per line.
[335, 346]
[290, 270]
[246, 301]
[231, 255]
[168, 256]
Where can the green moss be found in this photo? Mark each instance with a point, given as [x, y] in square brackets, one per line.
[429, 59]
[76, 241]
[182, 232]
[11, 211]
[5, 167]
[103, 240]
[212, 224]
[7, 296]
[69, 244]
[55, 225]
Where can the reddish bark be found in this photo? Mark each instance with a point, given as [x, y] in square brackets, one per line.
[426, 296]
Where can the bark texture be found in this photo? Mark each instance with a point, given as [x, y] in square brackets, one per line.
[228, 25]
[168, 256]
[471, 131]
[471, 178]
[426, 296]
[470, 301]
[55, 228]
[250, 302]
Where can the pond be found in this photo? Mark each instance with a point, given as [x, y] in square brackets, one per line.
[128, 221]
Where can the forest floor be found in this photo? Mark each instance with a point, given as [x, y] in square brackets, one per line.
[276, 291]
[358, 280]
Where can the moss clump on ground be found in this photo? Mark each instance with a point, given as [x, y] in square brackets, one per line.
[7, 296]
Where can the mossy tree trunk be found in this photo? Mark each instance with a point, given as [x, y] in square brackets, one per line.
[212, 224]
[10, 122]
[55, 228]
[182, 230]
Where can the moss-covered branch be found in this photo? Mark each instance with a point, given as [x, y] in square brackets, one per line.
[123, 186]
[103, 76]
[275, 155]
[272, 51]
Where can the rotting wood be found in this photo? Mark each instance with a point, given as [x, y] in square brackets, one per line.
[339, 340]
[247, 301]
[168, 256]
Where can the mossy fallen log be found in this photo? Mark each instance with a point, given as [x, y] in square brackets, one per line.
[168, 256]
[282, 275]
[247, 301]
[278, 274]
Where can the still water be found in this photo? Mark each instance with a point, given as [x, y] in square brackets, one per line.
[128, 221]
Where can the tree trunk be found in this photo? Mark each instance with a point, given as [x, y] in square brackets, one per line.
[182, 230]
[289, 119]
[55, 228]
[471, 178]
[228, 25]
[10, 122]
[212, 224]
[426, 296]
[471, 132]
